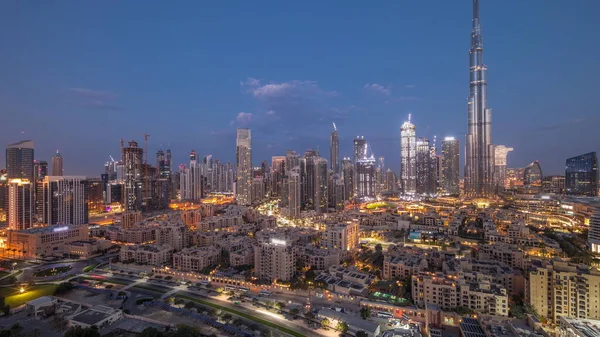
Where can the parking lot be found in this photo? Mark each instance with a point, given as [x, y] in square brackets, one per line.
[29, 324]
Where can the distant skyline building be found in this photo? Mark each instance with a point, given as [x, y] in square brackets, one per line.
[133, 160]
[334, 150]
[479, 153]
[500, 155]
[360, 148]
[20, 204]
[243, 185]
[365, 177]
[294, 202]
[349, 178]
[408, 157]
[57, 164]
[423, 161]
[450, 176]
[65, 200]
[19, 160]
[532, 175]
[581, 175]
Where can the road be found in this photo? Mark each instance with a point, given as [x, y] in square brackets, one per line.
[169, 290]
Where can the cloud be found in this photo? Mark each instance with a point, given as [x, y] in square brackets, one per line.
[378, 89]
[294, 106]
[559, 126]
[244, 118]
[409, 86]
[97, 99]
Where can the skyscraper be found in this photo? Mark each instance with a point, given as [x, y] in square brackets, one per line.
[243, 157]
[20, 204]
[365, 177]
[132, 158]
[423, 160]
[57, 164]
[360, 148]
[408, 162]
[450, 165]
[349, 178]
[500, 154]
[532, 175]
[19, 160]
[293, 194]
[479, 163]
[334, 150]
[581, 175]
[65, 200]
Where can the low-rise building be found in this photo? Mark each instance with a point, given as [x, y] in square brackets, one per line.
[241, 257]
[319, 259]
[175, 235]
[99, 316]
[275, 260]
[137, 234]
[154, 255]
[88, 248]
[38, 242]
[502, 252]
[196, 259]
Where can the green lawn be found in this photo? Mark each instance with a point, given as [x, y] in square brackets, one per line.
[89, 268]
[3, 273]
[52, 271]
[14, 298]
[241, 314]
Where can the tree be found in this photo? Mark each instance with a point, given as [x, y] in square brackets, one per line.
[16, 329]
[342, 327]
[151, 332]
[63, 288]
[309, 315]
[365, 312]
[280, 305]
[227, 318]
[378, 248]
[325, 323]
[59, 323]
[294, 311]
[81, 332]
[309, 275]
[361, 333]
[237, 322]
[36, 333]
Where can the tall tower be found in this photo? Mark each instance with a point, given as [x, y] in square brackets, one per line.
[479, 161]
[65, 200]
[20, 204]
[334, 151]
[57, 164]
[408, 155]
[500, 154]
[133, 159]
[19, 160]
[360, 148]
[243, 157]
[423, 167]
[450, 177]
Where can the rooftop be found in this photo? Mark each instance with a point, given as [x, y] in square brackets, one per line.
[94, 315]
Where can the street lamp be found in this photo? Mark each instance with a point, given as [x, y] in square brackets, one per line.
[22, 290]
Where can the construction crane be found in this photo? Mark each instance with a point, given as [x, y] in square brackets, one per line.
[146, 136]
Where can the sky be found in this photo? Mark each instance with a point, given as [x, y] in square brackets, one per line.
[78, 76]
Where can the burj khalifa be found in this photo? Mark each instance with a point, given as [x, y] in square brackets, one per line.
[479, 161]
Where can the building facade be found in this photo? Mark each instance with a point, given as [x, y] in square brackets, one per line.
[65, 200]
[408, 158]
[581, 175]
[243, 183]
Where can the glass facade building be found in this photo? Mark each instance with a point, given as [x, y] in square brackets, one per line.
[581, 175]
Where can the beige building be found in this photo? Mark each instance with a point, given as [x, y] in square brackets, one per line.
[196, 259]
[219, 222]
[403, 266]
[319, 259]
[450, 292]
[88, 248]
[275, 260]
[559, 288]
[190, 217]
[502, 252]
[39, 242]
[343, 236]
[174, 235]
[130, 218]
[137, 234]
[241, 257]
[153, 255]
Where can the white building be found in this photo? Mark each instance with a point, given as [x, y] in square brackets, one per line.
[343, 236]
[153, 255]
[408, 155]
[20, 204]
[243, 185]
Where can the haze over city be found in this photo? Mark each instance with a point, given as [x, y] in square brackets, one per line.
[79, 76]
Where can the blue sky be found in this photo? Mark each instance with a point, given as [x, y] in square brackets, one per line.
[80, 75]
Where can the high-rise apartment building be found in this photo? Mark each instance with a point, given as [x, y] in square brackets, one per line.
[278, 170]
[243, 183]
[334, 150]
[408, 156]
[20, 204]
[594, 232]
[133, 161]
[349, 178]
[479, 163]
[274, 260]
[500, 154]
[365, 173]
[391, 183]
[40, 170]
[57, 164]
[581, 175]
[19, 160]
[425, 178]
[258, 189]
[65, 200]
[294, 202]
[450, 178]
[360, 148]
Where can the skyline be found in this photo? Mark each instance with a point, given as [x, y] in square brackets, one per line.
[295, 96]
